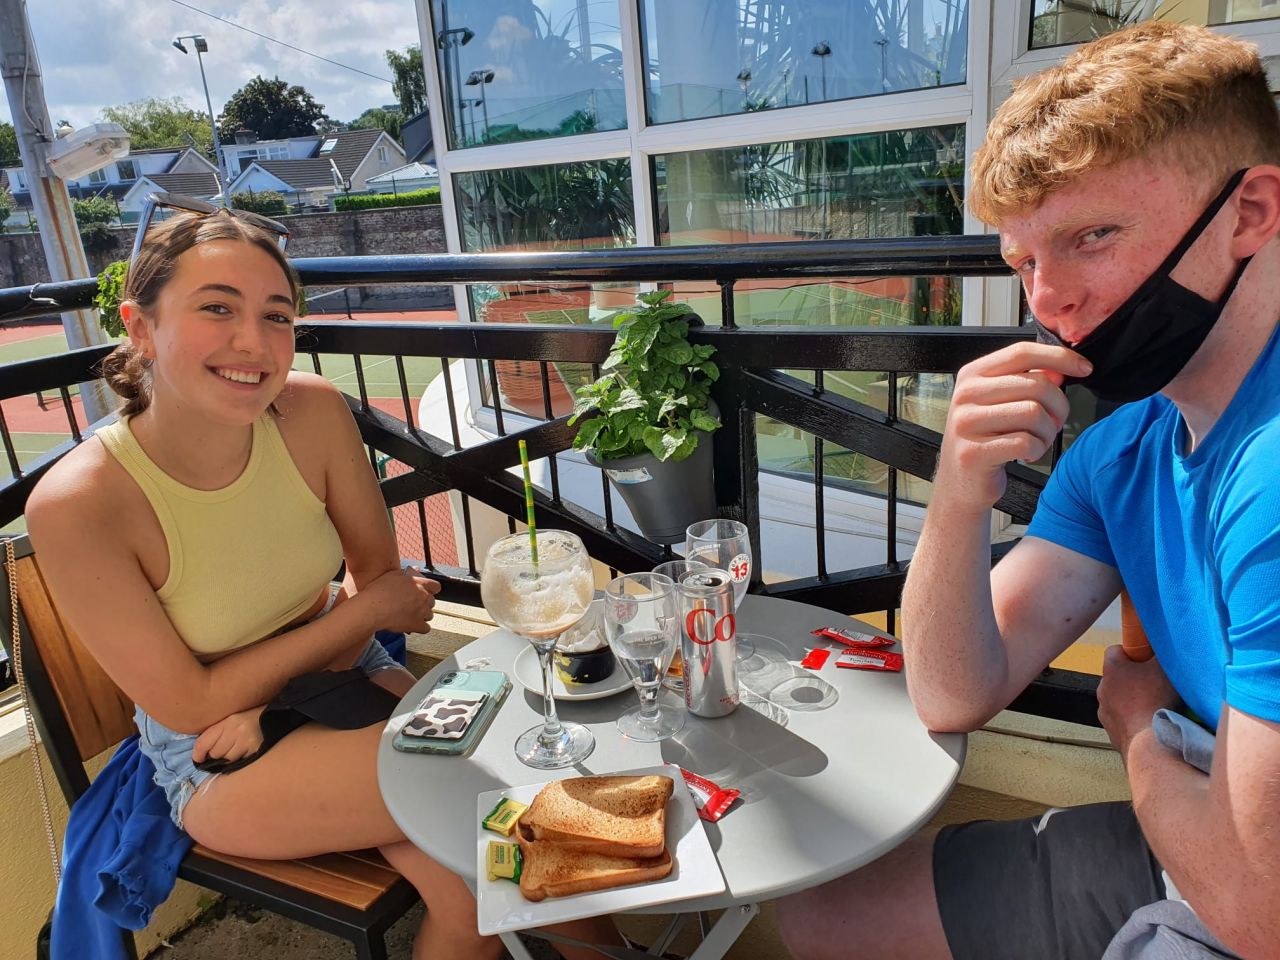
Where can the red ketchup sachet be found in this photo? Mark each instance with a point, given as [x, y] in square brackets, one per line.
[815, 658]
[853, 637]
[869, 658]
[711, 800]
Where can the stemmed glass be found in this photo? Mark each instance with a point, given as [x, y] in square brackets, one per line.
[725, 544]
[539, 601]
[641, 622]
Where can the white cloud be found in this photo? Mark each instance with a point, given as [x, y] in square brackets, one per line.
[99, 53]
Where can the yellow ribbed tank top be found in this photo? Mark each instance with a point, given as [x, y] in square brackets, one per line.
[244, 560]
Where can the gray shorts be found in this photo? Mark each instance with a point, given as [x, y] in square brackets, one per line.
[1055, 887]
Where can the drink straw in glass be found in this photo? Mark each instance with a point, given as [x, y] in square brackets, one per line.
[528, 504]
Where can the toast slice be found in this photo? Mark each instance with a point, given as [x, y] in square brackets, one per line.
[611, 816]
[561, 870]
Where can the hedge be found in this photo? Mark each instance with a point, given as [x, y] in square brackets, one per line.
[369, 201]
[268, 203]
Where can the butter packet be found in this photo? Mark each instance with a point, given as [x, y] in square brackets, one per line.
[503, 861]
[502, 818]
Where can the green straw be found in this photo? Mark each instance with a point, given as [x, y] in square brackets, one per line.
[528, 505]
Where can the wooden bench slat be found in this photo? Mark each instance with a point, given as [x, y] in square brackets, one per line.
[99, 714]
[352, 881]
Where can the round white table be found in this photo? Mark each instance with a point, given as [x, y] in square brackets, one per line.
[834, 766]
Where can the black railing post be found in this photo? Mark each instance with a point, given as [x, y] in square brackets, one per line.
[737, 466]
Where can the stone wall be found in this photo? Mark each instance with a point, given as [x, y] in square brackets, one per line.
[391, 230]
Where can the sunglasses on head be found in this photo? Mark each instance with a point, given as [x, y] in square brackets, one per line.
[201, 208]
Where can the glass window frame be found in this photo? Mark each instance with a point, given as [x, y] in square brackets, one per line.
[645, 91]
[987, 301]
[1012, 56]
[132, 165]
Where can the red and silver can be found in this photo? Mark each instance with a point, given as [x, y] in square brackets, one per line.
[708, 642]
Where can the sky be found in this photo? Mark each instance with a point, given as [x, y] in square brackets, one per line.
[99, 53]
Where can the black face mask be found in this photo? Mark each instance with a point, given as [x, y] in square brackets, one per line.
[1149, 338]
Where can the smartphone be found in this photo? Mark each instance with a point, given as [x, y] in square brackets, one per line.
[474, 695]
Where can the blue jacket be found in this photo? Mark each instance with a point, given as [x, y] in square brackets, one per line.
[120, 859]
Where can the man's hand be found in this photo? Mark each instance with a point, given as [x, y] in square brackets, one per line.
[233, 738]
[1129, 694]
[1007, 405]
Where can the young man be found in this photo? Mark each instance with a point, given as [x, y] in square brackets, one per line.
[1136, 188]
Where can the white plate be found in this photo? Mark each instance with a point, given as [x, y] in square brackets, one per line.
[696, 872]
[529, 673]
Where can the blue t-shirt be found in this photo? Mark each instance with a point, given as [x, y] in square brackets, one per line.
[1196, 537]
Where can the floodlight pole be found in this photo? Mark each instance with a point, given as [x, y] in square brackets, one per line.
[59, 233]
[199, 42]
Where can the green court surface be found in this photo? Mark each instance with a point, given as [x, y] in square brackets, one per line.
[381, 378]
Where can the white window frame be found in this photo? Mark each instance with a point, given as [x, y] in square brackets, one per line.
[96, 177]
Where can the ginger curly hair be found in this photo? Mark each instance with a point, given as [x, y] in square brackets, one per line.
[1200, 96]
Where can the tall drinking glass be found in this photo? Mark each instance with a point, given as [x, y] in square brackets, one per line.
[725, 544]
[641, 620]
[539, 602]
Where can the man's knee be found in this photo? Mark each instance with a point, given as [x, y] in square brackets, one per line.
[884, 909]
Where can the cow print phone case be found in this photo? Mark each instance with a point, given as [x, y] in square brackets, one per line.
[445, 717]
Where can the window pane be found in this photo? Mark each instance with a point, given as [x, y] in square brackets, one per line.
[540, 68]
[568, 206]
[902, 183]
[1055, 22]
[712, 57]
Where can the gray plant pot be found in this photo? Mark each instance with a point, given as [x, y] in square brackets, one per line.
[664, 497]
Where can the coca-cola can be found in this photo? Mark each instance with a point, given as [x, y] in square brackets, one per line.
[708, 642]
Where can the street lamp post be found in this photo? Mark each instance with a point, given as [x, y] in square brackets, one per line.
[480, 78]
[822, 50]
[451, 38]
[202, 46]
[883, 44]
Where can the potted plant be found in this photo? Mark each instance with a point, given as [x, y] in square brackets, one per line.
[653, 405]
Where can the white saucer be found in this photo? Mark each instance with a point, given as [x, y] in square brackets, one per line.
[528, 675]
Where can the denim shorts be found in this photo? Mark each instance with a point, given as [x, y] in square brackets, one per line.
[170, 751]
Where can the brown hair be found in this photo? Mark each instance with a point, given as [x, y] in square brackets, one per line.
[124, 369]
[1200, 95]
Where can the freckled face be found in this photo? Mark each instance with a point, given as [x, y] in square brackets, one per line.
[224, 339]
[1088, 246]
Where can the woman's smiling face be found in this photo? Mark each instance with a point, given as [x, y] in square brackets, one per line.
[220, 332]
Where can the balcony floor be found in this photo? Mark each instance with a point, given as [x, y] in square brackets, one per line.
[235, 930]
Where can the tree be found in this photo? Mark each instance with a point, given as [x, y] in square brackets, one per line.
[380, 118]
[7, 206]
[272, 109]
[162, 122]
[410, 84]
[9, 146]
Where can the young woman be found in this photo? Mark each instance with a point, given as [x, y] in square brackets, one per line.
[190, 546]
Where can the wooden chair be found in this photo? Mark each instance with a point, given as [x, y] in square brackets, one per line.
[81, 712]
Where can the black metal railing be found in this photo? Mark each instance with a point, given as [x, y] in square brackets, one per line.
[753, 381]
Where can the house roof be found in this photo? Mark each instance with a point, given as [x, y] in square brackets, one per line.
[349, 150]
[410, 171]
[352, 147]
[299, 174]
[191, 184]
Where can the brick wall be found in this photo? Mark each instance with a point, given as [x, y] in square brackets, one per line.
[391, 230]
